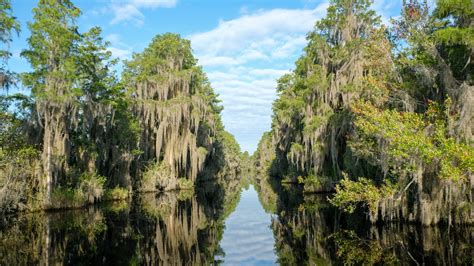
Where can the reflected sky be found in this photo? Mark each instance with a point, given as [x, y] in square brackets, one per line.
[248, 238]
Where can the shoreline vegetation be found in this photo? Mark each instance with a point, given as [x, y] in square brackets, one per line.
[84, 134]
[382, 116]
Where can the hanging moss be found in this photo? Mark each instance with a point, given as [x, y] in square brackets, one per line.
[346, 55]
[405, 118]
[177, 111]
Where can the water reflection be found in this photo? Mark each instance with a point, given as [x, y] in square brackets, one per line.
[218, 224]
[167, 229]
[248, 238]
[309, 231]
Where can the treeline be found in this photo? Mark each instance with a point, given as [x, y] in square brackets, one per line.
[83, 134]
[381, 115]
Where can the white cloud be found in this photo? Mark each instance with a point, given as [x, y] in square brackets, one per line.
[230, 35]
[217, 61]
[127, 12]
[118, 48]
[290, 47]
[130, 10]
[245, 56]
[113, 38]
[154, 3]
[120, 53]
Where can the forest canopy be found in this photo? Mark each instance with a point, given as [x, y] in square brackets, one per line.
[86, 134]
[382, 115]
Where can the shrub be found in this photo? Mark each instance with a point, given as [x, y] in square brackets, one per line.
[92, 186]
[184, 183]
[350, 194]
[66, 198]
[116, 193]
[155, 175]
[89, 190]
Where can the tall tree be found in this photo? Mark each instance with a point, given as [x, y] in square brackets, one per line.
[345, 58]
[104, 136]
[436, 59]
[177, 110]
[50, 53]
[8, 26]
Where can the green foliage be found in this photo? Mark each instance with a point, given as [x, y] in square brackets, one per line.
[231, 145]
[167, 50]
[90, 189]
[185, 184]
[458, 9]
[19, 158]
[14, 112]
[455, 36]
[116, 193]
[51, 45]
[350, 194]
[66, 198]
[8, 26]
[92, 186]
[402, 143]
[148, 182]
[338, 18]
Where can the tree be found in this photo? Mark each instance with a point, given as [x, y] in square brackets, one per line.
[9, 26]
[177, 110]
[437, 62]
[103, 136]
[347, 58]
[51, 48]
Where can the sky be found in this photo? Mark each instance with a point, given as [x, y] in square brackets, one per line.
[244, 46]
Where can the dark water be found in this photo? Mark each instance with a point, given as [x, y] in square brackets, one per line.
[224, 227]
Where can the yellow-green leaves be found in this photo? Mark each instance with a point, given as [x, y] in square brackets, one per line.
[404, 141]
[351, 194]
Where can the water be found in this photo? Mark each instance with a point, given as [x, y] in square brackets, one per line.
[223, 226]
[248, 238]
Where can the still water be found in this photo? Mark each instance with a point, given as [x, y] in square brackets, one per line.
[260, 225]
[248, 238]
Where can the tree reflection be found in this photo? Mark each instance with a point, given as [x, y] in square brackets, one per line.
[166, 229]
[309, 231]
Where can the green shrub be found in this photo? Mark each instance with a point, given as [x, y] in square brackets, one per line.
[92, 186]
[184, 183]
[154, 175]
[116, 193]
[66, 198]
[89, 190]
[350, 194]
[402, 142]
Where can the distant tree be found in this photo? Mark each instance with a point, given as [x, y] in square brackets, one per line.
[8, 26]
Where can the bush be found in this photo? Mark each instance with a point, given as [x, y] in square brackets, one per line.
[116, 193]
[89, 190]
[66, 198]
[156, 177]
[184, 183]
[350, 194]
[92, 186]
[18, 170]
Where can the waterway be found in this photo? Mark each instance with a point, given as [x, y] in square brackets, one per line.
[256, 225]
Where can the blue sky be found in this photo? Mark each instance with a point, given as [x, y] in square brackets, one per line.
[244, 46]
